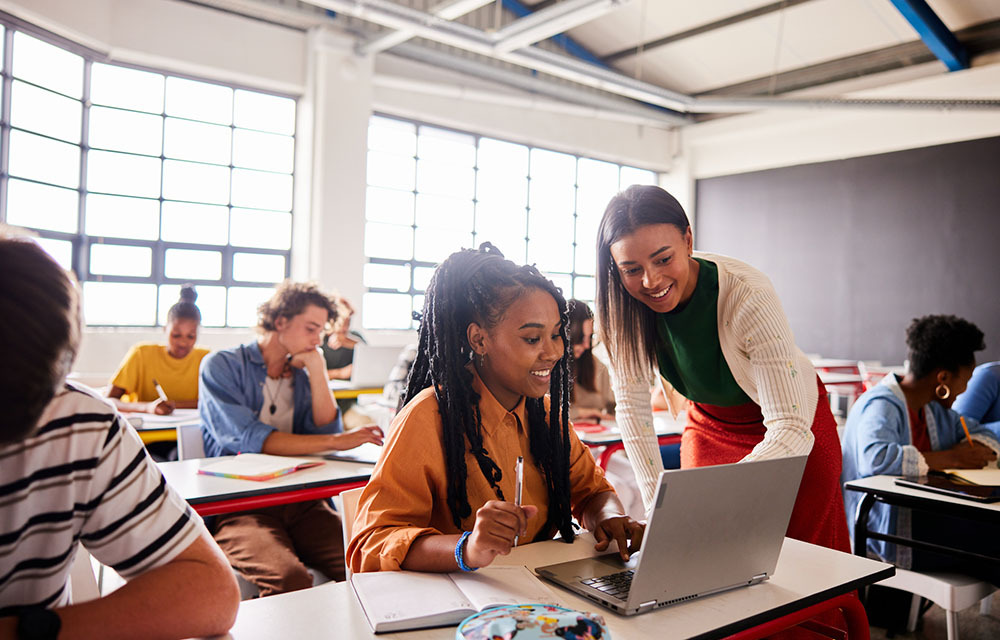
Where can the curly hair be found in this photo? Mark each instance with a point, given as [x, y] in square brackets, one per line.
[478, 286]
[290, 299]
[39, 333]
[942, 342]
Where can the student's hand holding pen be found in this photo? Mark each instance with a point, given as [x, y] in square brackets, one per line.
[161, 407]
[497, 523]
[961, 456]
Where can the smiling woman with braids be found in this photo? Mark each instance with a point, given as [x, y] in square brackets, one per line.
[493, 343]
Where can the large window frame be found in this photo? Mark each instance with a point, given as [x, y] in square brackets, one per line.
[82, 243]
[575, 282]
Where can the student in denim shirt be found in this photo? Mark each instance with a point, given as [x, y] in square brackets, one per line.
[271, 396]
[981, 400]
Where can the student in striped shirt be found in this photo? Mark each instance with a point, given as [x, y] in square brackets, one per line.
[71, 469]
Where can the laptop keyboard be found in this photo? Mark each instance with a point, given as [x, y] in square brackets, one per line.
[614, 584]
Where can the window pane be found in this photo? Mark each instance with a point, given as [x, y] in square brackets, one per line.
[126, 88]
[262, 190]
[204, 223]
[186, 140]
[389, 205]
[265, 151]
[262, 229]
[195, 182]
[586, 245]
[598, 184]
[550, 252]
[192, 265]
[42, 207]
[387, 310]
[211, 302]
[119, 217]
[506, 157]
[121, 260]
[119, 303]
[440, 145]
[60, 250]
[45, 112]
[501, 189]
[446, 179]
[563, 281]
[47, 65]
[422, 278]
[243, 303]
[554, 167]
[258, 267]
[199, 101]
[391, 170]
[388, 241]
[505, 228]
[265, 112]
[584, 288]
[123, 173]
[434, 245]
[45, 160]
[632, 175]
[552, 198]
[444, 213]
[385, 134]
[387, 276]
[125, 131]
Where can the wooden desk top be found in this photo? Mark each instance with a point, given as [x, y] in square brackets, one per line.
[805, 575]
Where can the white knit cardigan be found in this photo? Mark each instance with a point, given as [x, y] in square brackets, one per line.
[760, 350]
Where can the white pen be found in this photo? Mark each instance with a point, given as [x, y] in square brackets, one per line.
[159, 390]
[518, 482]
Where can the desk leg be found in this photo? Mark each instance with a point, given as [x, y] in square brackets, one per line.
[861, 525]
[609, 450]
[848, 603]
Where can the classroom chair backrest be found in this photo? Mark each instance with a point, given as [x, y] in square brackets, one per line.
[349, 507]
[189, 442]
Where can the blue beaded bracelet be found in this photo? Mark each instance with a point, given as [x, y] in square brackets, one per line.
[460, 551]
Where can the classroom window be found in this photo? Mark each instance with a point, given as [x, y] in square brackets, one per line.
[141, 181]
[432, 191]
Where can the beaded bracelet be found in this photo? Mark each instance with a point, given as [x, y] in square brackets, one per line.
[459, 552]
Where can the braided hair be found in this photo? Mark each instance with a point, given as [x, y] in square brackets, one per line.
[477, 286]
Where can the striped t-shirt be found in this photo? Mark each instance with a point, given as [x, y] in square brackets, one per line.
[84, 476]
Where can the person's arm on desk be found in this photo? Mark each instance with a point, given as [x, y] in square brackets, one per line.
[193, 595]
[294, 444]
[605, 516]
[158, 406]
[961, 456]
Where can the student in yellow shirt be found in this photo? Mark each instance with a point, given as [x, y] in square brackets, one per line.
[493, 344]
[174, 366]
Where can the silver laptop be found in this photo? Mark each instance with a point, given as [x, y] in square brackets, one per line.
[711, 529]
[372, 365]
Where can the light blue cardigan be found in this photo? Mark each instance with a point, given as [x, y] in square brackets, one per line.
[981, 399]
[877, 441]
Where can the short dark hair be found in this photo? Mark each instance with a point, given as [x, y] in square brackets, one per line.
[942, 342]
[185, 308]
[290, 299]
[39, 333]
[627, 326]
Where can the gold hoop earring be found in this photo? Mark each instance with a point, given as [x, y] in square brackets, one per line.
[942, 395]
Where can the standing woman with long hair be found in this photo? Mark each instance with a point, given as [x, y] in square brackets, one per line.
[714, 330]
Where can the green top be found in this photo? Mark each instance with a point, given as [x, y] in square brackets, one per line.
[688, 350]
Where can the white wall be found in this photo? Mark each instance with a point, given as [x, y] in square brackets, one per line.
[336, 98]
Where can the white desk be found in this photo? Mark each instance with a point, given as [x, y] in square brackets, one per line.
[884, 489]
[668, 431]
[157, 428]
[212, 495]
[806, 575]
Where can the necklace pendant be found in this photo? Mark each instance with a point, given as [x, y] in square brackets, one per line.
[273, 408]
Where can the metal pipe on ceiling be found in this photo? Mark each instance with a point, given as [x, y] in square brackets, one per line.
[551, 21]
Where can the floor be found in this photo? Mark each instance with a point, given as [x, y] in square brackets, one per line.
[971, 625]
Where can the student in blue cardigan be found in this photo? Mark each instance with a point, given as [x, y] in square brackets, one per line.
[981, 400]
[905, 426]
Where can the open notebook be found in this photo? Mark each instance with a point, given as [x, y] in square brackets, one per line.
[256, 466]
[400, 600]
[989, 476]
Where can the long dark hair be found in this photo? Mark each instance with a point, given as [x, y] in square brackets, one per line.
[627, 326]
[478, 286]
[582, 368]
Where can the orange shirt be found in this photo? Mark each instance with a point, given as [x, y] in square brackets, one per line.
[407, 496]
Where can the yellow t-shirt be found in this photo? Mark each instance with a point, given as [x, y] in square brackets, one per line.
[144, 362]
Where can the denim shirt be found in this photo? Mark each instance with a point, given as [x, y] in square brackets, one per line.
[877, 441]
[230, 398]
[981, 400]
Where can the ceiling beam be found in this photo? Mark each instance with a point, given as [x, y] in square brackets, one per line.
[551, 21]
[571, 46]
[705, 28]
[447, 10]
[935, 33]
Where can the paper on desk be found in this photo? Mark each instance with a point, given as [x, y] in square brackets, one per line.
[989, 476]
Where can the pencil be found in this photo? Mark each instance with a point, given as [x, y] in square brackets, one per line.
[968, 436]
[163, 396]
[518, 482]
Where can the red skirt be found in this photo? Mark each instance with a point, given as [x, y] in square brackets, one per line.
[720, 435]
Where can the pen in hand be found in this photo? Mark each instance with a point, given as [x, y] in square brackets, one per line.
[518, 482]
[159, 391]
